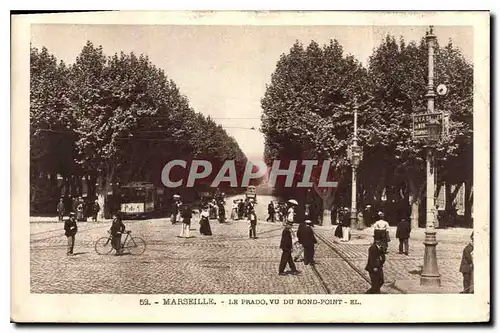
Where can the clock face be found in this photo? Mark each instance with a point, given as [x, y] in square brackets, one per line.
[441, 89]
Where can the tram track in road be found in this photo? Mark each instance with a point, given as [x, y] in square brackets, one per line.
[337, 252]
[320, 278]
[353, 267]
[60, 232]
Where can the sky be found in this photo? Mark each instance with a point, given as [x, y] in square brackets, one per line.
[223, 70]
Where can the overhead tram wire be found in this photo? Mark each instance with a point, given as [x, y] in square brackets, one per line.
[133, 136]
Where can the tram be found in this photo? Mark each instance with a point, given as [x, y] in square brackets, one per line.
[140, 200]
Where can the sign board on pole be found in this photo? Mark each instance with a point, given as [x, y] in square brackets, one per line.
[420, 121]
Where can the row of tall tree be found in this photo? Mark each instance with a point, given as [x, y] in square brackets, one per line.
[113, 119]
[308, 114]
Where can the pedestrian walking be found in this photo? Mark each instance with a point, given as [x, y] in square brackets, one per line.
[213, 209]
[205, 229]
[241, 207]
[403, 234]
[95, 210]
[286, 247]
[375, 266]
[252, 223]
[60, 209]
[74, 203]
[308, 241]
[221, 212]
[381, 231]
[467, 267]
[338, 229]
[116, 231]
[368, 215]
[291, 214]
[70, 230]
[361, 220]
[298, 248]
[247, 208]
[234, 210]
[79, 210]
[186, 216]
[175, 211]
[307, 212]
[270, 212]
[346, 225]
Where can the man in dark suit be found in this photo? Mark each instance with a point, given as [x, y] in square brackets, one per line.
[308, 240]
[403, 234]
[70, 230]
[300, 237]
[286, 247]
[270, 212]
[375, 266]
[116, 231]
[241, 208]
[467, 267]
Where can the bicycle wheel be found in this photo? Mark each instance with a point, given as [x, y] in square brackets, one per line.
[135, 246]
[103, 245]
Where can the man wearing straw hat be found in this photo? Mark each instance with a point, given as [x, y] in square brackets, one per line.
[381, 231]
[292, 213]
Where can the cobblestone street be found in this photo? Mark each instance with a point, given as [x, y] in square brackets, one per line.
[227, 262]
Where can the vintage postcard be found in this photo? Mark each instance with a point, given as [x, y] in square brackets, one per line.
[266, 167]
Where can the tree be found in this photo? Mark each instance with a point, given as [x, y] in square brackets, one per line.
[131, 120]
[51, 138]
[398, 77]
[308, 114]
[307, 108]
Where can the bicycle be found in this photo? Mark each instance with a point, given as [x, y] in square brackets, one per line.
[132, 245]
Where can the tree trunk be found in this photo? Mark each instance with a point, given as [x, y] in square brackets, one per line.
[327, 215]
[103, 187]
[468, 202]
[327, 198]
[414, 197]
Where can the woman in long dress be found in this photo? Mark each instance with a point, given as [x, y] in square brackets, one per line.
[205, 223]
[234, 210]
[221, 212]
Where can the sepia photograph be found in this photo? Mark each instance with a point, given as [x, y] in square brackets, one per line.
[258, 162]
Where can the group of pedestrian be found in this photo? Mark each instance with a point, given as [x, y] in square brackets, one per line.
[343, 230]
[278, 211]
[80, 207]
[116, 230]
[303, 241]
[378, 250]
[242, 208]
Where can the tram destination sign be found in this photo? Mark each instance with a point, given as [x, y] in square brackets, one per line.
[420, 121]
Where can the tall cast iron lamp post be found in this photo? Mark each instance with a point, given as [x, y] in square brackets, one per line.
[430, 273]
[355, 154]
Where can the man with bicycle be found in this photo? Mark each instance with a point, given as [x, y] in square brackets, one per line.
[116, 230]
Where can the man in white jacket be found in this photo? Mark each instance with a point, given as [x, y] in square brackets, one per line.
[381, 231]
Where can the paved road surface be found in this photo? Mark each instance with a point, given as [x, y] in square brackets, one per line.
[228, 262]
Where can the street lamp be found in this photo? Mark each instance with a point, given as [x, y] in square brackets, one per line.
[430, 273]
[355, 154]
[433, 132]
